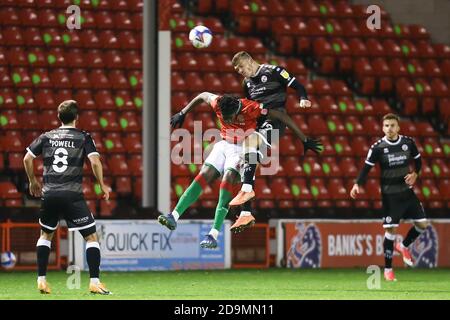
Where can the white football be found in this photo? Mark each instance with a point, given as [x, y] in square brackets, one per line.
[200, 37]
[8, 260]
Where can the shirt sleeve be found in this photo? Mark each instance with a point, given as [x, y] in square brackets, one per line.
[252, 109]
[373, 156]
[35, 148]
[283, 76]
[414, 151]
[89, 146]
[212, 101]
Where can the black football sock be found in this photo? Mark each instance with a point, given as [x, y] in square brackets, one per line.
[43, 252]
[251, 162]
[388, 246]
[412, 235]
[93, 259]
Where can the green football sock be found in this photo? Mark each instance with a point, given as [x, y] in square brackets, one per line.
[191, 194]
[222, 207]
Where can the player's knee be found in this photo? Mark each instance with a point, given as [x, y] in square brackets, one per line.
[46, 234]
[209, 174]
[89, 234]
[422, 224]
[391, 231]
[230, 176]
[252, 141]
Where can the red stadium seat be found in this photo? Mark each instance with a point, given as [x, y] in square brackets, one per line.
[319, 191]
[335, 125]
[17, 57]
[330, 167]
[107, 207]
[432, 68]
[231, 84]
[374, 47]
[40, 78]
[79, 79]
[60, 79]
[342, 146]
[348, 166]
[132, 143]
[89, 121]
[11, 141]
[288, 146]
[317, 125]
[48, 119]
[280, 189]
[85, 100]
[118, 165]
[7, 99]
[9, 120]
[15, 161]
[135, 165]
[360, 146]
[113, 143]
[29, 120]
[338, 192]
[195, 82]
[21, 78]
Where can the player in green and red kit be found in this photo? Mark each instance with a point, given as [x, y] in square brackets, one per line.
[238, 119]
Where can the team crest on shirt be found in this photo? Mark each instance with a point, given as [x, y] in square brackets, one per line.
[425, 249]
[306, 247]
[264, 79]
[404, 147]
[285, 74]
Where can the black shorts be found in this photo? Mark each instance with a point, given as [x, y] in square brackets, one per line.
[70, 206]
[271, 130]
[403, 206]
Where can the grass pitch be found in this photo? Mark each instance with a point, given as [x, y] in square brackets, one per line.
[271, 284]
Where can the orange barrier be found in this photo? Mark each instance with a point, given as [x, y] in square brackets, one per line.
[20, 238]
[250, 248]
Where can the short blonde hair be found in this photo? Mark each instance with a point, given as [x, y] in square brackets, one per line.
[391, 116]
[240, 56]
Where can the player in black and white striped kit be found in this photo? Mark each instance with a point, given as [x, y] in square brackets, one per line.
[394, 152]
[64, 150]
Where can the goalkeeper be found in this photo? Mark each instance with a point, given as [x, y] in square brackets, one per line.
[238, 119]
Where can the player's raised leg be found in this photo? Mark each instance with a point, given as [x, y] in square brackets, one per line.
[225, 194]
[43, 248]
[411, 236]
[207, 174]
[251, 158]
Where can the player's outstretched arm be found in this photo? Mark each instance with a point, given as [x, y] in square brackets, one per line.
[97, 169]
[308, 143]
[35, 185]
[178, 119]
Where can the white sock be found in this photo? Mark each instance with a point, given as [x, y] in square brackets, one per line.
[175, 215]
[214, 233]
[95, 280]
[43, 242]
[245, 214]
[247, 187]
[42, 278]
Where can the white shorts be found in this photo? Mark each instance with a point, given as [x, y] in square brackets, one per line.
[226, 155]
